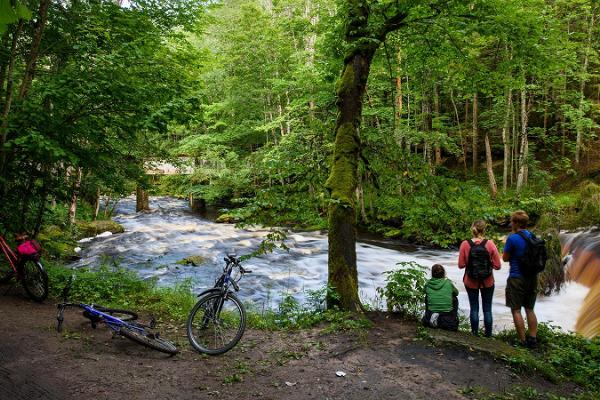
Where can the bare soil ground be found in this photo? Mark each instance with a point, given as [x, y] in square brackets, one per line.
[388, 362]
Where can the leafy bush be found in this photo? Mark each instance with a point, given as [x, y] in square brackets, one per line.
[589, 205]
[560, 354]
[292, 315]
[405, 289]
[121, 288]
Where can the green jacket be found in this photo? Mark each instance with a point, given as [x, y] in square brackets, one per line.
[439, 293]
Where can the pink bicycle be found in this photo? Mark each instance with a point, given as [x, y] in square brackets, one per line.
[24, 266]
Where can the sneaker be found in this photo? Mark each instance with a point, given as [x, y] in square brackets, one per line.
[531, 342]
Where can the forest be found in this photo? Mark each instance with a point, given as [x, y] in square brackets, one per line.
[394, 124]
[471, 109]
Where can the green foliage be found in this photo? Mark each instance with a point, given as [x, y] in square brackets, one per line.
[292, 315]
[560, 355]
[589, 205]
[405, 289]
[117, 287]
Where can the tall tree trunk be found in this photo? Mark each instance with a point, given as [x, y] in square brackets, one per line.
[427, 125]
[363, 41]
[506, 140]
[97, 204]
[342, 181]
[475, 132]
[460, 132]
[489, 166]
[524, 147]
[3, 65]
[584, 78]
[35, 48]
[9, 94]
[142, 202]
[436, 113]
[398, 99]
[75, 196]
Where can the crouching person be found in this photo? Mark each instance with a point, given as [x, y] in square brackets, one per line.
[441, 301]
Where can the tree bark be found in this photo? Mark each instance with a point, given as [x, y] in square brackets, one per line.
[3, 65]
[489, 166]
[363, 41]
[579, 140]
[343, 275]
[524, 147]
[436, 113]
[97, 204]
[475, 132]
[75, 196]
[9, 94]
[506, 141]
[35, 48]
[142, 202]
[399, 104]
[427, 126]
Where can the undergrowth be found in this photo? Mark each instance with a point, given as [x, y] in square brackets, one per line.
[113, 286]
[559, 355]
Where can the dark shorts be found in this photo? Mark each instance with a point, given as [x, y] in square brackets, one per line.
[521, 292]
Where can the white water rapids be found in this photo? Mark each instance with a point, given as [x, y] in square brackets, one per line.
[154, 241]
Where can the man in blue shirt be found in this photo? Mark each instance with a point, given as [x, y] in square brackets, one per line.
[521, 291]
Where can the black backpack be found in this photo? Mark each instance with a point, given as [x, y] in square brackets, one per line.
[479, 265]
[535, 256]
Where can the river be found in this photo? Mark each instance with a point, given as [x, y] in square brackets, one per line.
[154, 241]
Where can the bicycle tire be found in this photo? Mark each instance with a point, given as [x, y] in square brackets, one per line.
[123, 315]
[150, 340]
[35, 280]
[203, 326]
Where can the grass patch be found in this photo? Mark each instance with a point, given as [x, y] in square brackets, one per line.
[560, 356]
[121, 288]
[113, 286]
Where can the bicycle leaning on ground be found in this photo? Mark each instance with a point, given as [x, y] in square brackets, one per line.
[218, 320]
[118, 321]
[25, 267]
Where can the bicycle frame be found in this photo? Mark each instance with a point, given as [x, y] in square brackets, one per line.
[9, 254]
[113, 323]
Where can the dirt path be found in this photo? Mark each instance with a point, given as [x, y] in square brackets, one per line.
[387, 363]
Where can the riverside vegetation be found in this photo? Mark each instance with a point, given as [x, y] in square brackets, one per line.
[408, 119]
[561, 356]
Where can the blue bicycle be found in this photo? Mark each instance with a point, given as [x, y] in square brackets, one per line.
[117, 320]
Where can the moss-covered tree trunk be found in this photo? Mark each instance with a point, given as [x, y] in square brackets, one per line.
[342, 182]
[363, 41]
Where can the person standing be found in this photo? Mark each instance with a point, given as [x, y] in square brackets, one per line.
[521, 289]
[479, 257]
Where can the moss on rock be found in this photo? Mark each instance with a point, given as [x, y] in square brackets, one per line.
[226, 219]
[192, 260]
[57, 243]
[93, 228]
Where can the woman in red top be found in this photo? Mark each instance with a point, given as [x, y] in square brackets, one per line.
[474, 286]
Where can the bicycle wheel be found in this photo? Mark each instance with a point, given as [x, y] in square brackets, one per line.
[216, 323]
[123, 315]
[35, 280]
[148, 339]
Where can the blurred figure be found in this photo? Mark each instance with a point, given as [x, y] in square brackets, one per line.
[583, 266]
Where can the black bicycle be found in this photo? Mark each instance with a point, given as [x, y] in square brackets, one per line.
[117, 320]
[218, 320]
